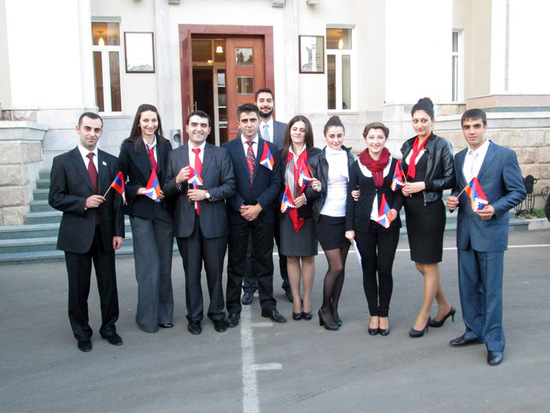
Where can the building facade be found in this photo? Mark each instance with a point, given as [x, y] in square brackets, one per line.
[361, 60]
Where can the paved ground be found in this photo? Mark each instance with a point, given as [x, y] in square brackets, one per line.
[263, 367]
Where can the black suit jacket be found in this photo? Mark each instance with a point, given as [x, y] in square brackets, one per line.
[136, 168]
[266, 183]
[70, 186]
[218, 179]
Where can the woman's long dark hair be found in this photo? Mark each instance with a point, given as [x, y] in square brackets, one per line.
[135, 132]
[287, 141]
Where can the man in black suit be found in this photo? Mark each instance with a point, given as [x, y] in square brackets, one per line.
[251, 209]
[200, 217]
[272, 131]
[92, 228]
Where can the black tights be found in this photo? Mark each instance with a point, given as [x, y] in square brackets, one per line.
[334, 282]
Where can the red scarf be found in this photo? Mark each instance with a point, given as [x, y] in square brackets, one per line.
[417, 147]
[376, 166]
[293, 212]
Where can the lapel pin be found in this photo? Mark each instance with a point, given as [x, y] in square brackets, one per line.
[104, 163]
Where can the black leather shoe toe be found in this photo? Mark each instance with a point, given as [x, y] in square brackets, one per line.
[494, 358]
[462, 341]
[85, 346]
[274, 316]
[220, 326]
[194, 328]
[248, 297]
[233, 320]
[166, 325]
[114, 339]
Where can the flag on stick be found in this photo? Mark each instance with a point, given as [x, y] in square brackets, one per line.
[267, 158]
[118, 184]
[477, 197]
[152, 190]
[385, 214]
[399, 179]
[194, 177]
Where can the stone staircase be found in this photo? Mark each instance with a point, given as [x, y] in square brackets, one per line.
[37, 240]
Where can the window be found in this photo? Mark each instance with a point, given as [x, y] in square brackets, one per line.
[106, 51]
[457, 67]
[340, 70]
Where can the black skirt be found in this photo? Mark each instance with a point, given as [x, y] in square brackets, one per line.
[331, 232]
[298, 244]
[425, 228]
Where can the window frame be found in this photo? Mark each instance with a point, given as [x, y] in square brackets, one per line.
[457, 67]
[339, 82]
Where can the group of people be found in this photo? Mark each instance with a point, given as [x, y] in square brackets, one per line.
[261, 185]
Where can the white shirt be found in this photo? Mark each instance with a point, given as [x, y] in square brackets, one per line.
[192, 154]
[153, 146]
[337, 185]
[254, 145]
[474, 160]
[84, 153]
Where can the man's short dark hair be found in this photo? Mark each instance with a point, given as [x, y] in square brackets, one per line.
[263, 90]
[200, 114]
[247, 108]
[474, 114]
[90, 115]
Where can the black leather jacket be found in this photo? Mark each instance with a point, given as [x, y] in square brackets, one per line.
[321, 165]
[440, 172]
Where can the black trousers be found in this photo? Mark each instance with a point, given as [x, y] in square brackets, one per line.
[194, 250]
[79, 270]
[377, 249]
[262, 238]
[250, 283]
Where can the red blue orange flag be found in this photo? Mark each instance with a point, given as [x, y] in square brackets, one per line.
[288, 201]
[477, 197]
[399, 179]
[194, 177]
[384, 215]
[152, 190]
[118, 184]
[267, 158]
[304, 174]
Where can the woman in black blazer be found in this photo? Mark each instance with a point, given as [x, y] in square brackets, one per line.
[372, 174]
[142, 153]
[298, 240]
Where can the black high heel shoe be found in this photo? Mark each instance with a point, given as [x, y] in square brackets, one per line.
[307, 316]
[297, 316]
[328, 326]
[419, 333]
[440, 323]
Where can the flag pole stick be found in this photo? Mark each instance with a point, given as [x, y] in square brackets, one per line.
[107, 191]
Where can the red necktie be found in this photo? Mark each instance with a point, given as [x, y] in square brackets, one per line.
[151, 152]
[92, 171]
[250, 160]
[198, 168]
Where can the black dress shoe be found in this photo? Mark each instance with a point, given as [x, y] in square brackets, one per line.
[494, 358]
[114, 339]
[194, 327]
[373, 331]
[274, 316]
[289, 296]
[328, 326]
[166, 325]
[248, 297]
[307, 316]
[462, 341]
[440, 323]
[419, 333]
[297, 316]
[384, 331]
[220, 326]
[85, 346]
[233, 320]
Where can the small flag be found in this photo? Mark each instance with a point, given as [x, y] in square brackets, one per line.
[267, 159]
[288, 201]
[398, 180]
[477, 197]
[152, 190]
[305, 174]
[384, 215]
[194, 177]
[118, 184]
